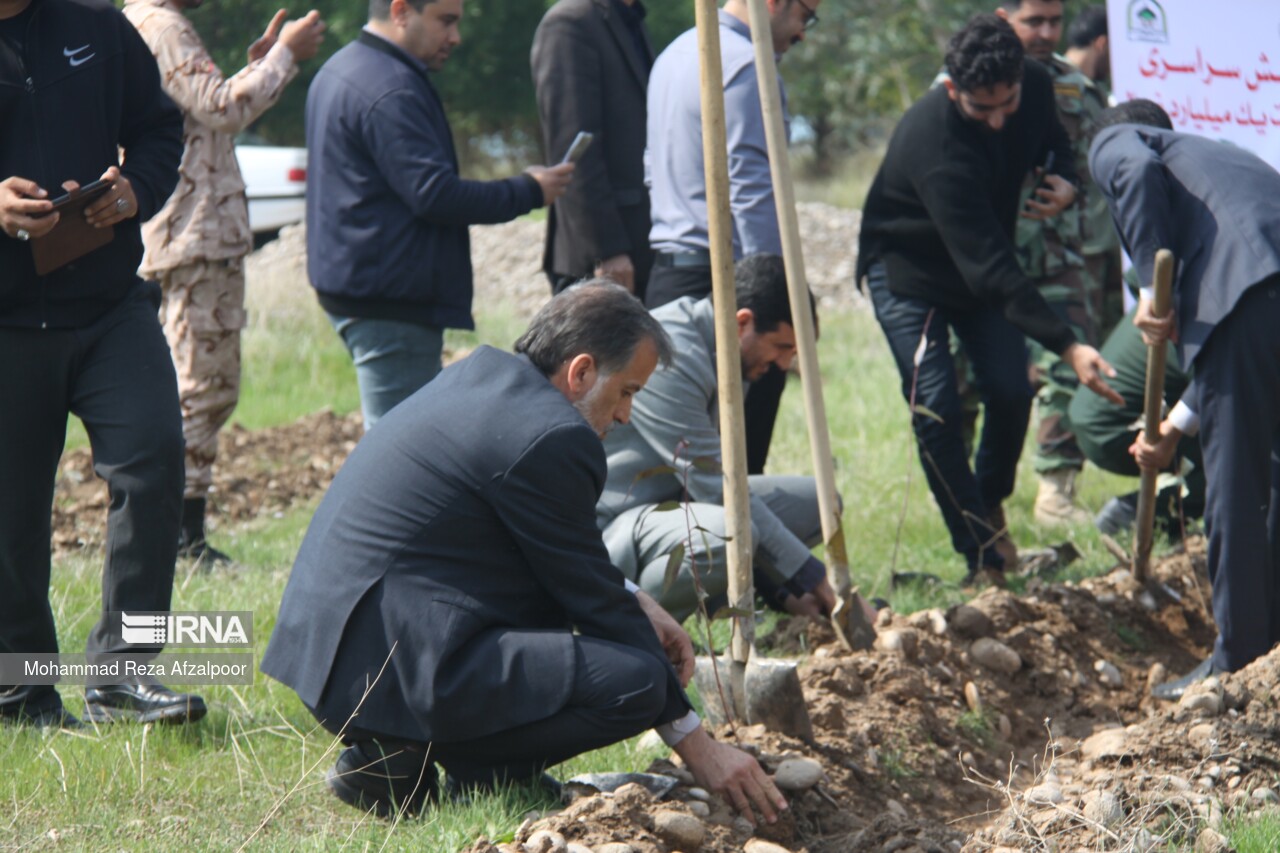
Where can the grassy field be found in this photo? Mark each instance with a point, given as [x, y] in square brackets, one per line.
[251, 774]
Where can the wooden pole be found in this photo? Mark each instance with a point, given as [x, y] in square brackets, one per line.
[806, 335]
[1153, 406]
[733, 441]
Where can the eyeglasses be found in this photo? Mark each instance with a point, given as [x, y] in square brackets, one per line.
[811, 17]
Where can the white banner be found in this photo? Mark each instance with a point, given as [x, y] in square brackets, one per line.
[1213, 66]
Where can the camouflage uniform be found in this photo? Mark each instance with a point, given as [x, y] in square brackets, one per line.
[196, 244]
[1052, 254]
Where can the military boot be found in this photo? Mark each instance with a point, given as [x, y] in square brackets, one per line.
[191, 541]
[1056, 499]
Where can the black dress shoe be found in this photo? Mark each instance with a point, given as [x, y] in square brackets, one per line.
[1174, 690]
[384, 778]
[54, 717]
[1117, 515]
[141, 702]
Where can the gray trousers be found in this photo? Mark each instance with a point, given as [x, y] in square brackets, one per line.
[641, 540]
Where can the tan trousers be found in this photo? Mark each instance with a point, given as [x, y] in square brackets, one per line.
[202, 311]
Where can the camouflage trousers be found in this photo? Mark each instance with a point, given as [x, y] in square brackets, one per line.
[1071, 293]
[1106, 290]
[202, 311]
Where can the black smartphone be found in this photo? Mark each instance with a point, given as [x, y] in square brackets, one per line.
[84, 196]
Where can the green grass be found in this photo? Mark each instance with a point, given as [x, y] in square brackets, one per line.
[213, 786]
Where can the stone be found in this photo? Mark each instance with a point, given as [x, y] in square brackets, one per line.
[797, 774]
[545, 841]
[1203, 736]
[615, 847]
[1211, 841]
[1045, 794]
[1206, 704]
[1265, 795]
[759, 845]
[684, 776]
[574, 847]
[1108, 743]
[995, 655]
[899, 641]
[897, 809]
[1158, 674]
[972, 697]
[1004, 726]
[1108, 674]
[699, 794]
[1103, 808]
[682, 831]
[699, 809]
[969, 622]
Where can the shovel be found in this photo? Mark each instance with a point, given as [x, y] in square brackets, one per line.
[848, 619]
[746, 696]
[1143, 532]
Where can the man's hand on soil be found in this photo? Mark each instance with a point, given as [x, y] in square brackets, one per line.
[675, 640]
[732, 774]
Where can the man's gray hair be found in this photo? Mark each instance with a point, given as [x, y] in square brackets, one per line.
[596, 317]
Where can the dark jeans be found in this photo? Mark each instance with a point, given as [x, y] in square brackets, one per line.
[117, 376]
[1238, 375]
[618, 692]
[998, 354]
[764, 397]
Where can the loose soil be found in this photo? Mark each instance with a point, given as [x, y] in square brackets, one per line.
[1052, 744]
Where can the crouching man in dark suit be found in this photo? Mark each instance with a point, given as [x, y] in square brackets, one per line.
[430, 615]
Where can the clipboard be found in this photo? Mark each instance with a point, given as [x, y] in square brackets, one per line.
[73, 237]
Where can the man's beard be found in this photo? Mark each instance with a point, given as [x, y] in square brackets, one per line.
[586, 405]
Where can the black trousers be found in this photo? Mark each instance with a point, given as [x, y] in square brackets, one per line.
[764, 397]
[1238, 374]
[117, 376]
[618, 692]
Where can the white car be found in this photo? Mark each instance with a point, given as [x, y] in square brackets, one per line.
[275, 179]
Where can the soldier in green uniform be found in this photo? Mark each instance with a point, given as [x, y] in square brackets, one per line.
[1053, 252]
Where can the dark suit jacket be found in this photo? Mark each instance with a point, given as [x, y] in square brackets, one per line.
[1215, 206]
[588, 76]
[467, 513]
[942, 209]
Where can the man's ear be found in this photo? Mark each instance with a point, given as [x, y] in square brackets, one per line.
[581, 375]
[1101, 43]
[1002, 13]
[746, 321]
[952, 92]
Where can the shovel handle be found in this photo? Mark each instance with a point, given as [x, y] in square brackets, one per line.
[1143, 533]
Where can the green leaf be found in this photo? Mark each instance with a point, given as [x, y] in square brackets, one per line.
[707, 464]
[674, 561]
[927, 412]
[667, 506]
[728, 612]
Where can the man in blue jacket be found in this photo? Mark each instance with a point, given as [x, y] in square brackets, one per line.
[77, 85]
[387, 213]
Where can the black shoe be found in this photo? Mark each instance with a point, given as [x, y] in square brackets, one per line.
[52, 717]
[191, 540]
[1117, 515]
[402, 782]
[1174, 690]
[141, 703]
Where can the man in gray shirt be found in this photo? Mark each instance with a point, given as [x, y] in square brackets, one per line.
[676, 180]
[670, 451]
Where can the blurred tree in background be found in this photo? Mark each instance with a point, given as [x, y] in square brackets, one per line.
[848, 83]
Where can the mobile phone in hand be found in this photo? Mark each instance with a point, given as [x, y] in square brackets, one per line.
[579, 146]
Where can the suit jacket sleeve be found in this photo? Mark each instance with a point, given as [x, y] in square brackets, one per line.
[1132, 178]
[673, 412]
[568, 78]
[956, 195]
[547, 502]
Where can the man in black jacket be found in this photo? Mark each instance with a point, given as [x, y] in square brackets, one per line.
[430, 614]
[591, 61]
[937, 250]
[387, 212]
[76, 85]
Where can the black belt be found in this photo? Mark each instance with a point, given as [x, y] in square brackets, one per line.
[677, 260]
